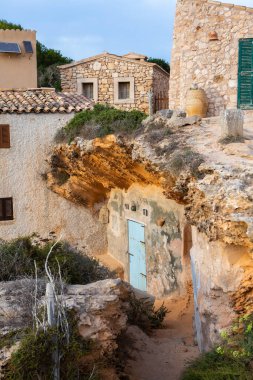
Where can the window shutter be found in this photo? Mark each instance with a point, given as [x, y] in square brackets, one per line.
[4, 136]
[245, 81]
[6, 209]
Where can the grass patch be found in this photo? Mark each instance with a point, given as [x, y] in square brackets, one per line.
[143, 315]
[231, 139]
[100, 121]
[17, 260]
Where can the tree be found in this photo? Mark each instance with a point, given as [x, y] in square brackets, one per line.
[47, 61]
[160, 62]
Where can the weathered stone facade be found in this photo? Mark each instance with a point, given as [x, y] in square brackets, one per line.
[164, 236]
[106, 70]
[200, 56]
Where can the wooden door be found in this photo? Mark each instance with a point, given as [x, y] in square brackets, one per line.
[137, 255]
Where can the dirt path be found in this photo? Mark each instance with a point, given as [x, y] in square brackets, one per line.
[164, 355]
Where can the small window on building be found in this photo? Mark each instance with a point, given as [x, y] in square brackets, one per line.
[6, 209]
[145, 212]
[124, 90]
[88, 90]
[4, 136]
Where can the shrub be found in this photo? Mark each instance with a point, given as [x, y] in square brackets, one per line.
[100, 121]
[145, 316]
[212, 366]
[185, 159]
[17, 260]
[33, 359]
[231, 360]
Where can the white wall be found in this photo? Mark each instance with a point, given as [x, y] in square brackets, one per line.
[37, 209]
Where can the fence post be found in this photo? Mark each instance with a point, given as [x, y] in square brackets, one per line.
[150, 101]
[51, 319]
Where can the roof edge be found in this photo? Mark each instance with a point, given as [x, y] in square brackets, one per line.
[95, 57]
[231, 5]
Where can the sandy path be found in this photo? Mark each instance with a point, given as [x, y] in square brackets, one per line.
[163, 355]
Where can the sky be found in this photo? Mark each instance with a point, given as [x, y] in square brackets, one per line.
[82, 28]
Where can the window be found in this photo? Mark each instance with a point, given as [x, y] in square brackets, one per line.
[88, 90]
[88, 87]
[124, 90]
[4, 136]
[6, 209]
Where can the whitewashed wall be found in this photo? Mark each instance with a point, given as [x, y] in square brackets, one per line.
[37, 209]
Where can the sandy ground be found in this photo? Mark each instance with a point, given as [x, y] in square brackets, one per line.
[164, 354]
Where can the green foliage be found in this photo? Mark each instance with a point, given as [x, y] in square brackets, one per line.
[48, 61]
[17, 260]
[213, 366]
[100, 121]
[33, 359]
[9, 339]
[144, 315]
[160, 62]
[232, 360]
[9, 25]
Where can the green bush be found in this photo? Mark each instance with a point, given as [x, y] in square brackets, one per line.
[213, 366]
[232, 360]
[17, 260]
[142, 314]
[100, 121]
[33, 359]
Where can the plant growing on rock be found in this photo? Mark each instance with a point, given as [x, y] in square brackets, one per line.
[98, 122]
[144, 315]
[231, 360]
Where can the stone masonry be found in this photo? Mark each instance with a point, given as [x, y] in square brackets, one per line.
[205, 51]
[106, 70]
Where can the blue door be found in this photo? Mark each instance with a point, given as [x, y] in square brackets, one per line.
[137, 255]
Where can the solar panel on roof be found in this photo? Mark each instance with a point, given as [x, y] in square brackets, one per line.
[9, 47]
[28, 46]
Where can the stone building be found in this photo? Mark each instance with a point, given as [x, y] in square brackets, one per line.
[18, 62]
[29, 120]
[122, 81]
[213, 42]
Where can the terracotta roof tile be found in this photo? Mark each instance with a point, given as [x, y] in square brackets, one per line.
[41, 100]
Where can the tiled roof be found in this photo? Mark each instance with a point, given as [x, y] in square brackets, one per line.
[41, 100]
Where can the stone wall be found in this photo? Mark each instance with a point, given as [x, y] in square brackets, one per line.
[219, 271]
[106, 69]
[212, 64]
[36, 208]
[165, 261]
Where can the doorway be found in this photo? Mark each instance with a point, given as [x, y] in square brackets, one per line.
[137, 255]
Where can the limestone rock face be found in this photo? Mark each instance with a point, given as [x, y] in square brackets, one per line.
[167, 153]
[100, 308]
